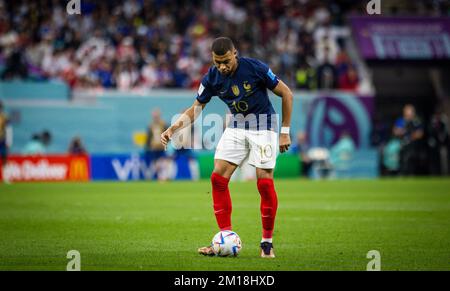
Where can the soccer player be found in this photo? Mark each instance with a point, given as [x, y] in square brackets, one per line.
[242, 84]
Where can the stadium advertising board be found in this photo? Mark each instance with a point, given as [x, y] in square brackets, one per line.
[407, 38]
[126, 167]
[327, 118]
[47, 168]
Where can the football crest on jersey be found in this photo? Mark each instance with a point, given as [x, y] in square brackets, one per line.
[235, 90]
[247, 87]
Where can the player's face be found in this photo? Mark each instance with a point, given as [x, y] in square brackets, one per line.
[226, 64]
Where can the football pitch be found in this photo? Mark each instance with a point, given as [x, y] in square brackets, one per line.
[321, 225]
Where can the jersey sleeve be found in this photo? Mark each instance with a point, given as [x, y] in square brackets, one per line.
[204, 93]
[269, 79]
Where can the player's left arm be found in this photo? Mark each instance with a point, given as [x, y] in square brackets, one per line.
[282, 90]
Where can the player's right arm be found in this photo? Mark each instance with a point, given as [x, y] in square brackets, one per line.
[187, 118]
[204, 95]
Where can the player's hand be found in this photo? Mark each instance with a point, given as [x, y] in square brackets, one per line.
[285, 142]
[166, 136]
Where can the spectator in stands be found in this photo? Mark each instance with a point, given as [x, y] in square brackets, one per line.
[326, 49]
[286, 45]
[55, 44]
[35, 146]
[342, 152]
[391, 156]
[301, 150]
[126, 76]
[306, 77]
[104, 74]
[150, 75]
[160, 44]
[38, 144]
[409, 129]
[326, 73]
[343, 61]
[15, 64]
[439, 144]
[46, 138]
[76, 147]
[155, 155]
[348, 80]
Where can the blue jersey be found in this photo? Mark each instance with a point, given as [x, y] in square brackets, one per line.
[244, 92]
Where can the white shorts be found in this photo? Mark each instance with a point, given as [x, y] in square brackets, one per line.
[260, 146]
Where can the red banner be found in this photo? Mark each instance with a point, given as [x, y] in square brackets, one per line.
[47, 168]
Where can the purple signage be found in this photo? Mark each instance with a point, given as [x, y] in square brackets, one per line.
[329, 117]
[407, 38]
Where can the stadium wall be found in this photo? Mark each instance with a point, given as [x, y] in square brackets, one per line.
[53, 90]
[108, 121]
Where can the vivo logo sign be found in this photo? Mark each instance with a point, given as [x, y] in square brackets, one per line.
[136, 169]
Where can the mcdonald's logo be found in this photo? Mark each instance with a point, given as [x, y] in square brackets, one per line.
[79, 170]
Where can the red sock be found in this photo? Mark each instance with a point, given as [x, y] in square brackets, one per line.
[269, 205]
[222, 201]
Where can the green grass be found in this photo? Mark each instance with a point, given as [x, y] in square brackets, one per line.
[327, 225]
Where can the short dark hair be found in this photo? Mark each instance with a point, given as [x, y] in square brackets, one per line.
[222, 45]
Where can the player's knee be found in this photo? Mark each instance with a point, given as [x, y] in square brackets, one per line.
[265, 186]
[264, 173]
[218, 182]
[267, 191]
[224, 168]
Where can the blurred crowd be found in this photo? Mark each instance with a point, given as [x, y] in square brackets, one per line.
[412, 146]
[165, 44]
